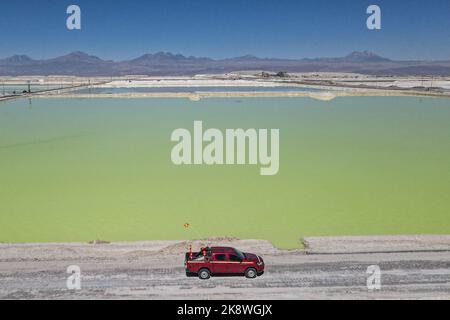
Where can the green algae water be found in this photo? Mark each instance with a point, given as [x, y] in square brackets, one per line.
[84, 169]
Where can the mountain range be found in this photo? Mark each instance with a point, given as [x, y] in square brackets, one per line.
[165, 63]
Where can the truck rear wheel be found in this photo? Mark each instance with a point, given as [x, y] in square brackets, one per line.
[204, 274]
[250, 273]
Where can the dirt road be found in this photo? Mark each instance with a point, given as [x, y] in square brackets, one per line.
[411, 268]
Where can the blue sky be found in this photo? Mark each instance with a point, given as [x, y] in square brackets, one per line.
[123, 29]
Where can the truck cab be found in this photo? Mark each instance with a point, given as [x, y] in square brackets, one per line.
[223, 261]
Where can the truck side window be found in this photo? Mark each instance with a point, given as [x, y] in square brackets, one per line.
[234, 258]
[220, 257]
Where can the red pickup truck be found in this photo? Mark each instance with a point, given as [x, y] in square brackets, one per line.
[222, 261]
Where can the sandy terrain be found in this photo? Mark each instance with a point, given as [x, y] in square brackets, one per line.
[324, 95]
[191, 82]
[331, 268]
[333, 85]
[313, 80]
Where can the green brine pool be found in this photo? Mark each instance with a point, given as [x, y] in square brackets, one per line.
[84, 169]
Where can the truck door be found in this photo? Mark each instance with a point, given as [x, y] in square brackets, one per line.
[219, 263]
[235, 264]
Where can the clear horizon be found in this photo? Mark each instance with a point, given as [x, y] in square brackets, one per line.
[122, 30]
[176, 53]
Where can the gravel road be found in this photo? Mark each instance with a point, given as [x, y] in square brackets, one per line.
[411, 268]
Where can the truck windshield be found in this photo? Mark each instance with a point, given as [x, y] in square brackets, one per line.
[239, 254]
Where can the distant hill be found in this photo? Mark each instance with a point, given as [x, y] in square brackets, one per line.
[18, 60]
[364, 56]
[166, 63]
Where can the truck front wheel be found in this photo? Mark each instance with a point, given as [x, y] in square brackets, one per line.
[204, 274]
[250, 273]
